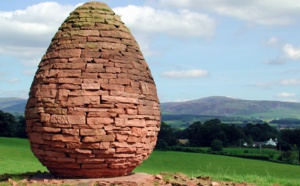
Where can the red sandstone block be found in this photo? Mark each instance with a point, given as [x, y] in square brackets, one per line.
[90, 86]
[100, 121]
[136, 122]
[126, 150]
[104, 145]
[54, 154]
[145, 110]
[121, 138]
[102, 138]
[136, 131]
[90, 160]
[112, 70]
[56, 111]
[66, 160]
[120, 165]
[119, 81]
[59, 119]
[70, 80]
[72, 155]
[120, 122]
[73, 145]
[90, 146]
[76, 119]
[120, 144]
[36, 137]
[92, 132]
[120, 99]
[74, 132]
[83, 151]
[68, 66]
[65, 138]
[38, 151]
[134, 139]
[69, 86]
[47, 136]
[51, 130]
[105, 151]
[63, 166]
[64, 73]
[79, 101]
[108, 76]
[94, 166]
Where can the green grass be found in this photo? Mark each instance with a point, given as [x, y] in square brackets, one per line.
[16, 157]
[221, 168]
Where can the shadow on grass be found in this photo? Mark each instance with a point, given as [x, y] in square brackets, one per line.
[17, 177]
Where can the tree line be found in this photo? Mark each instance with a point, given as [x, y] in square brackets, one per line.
[199, 134]
[12, 126]
[204, 134]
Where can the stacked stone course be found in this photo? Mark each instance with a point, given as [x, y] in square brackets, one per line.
[93, 109]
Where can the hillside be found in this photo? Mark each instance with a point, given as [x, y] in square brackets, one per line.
[13, 105]
[230, 107]
[217, 106]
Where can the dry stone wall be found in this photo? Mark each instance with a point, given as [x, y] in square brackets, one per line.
[93, 109]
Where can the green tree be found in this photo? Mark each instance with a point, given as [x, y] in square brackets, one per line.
[216, 145]
[166, 136]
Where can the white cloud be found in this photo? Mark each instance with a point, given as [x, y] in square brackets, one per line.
[291, 52]
[183, 23]
[273, 41]
[185, 74]
[276, 61]
[286, 94]
[27, 33]
[288, 82]
[265, 12]
[14, 80]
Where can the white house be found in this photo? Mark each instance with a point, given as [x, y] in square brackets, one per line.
[271, 142]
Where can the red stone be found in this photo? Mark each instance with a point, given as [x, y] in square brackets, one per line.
[93, 109]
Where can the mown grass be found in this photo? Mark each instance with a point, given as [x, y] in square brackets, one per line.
[222, 168]
[16, 158]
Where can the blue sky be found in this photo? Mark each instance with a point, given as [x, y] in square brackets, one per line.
[195, 48]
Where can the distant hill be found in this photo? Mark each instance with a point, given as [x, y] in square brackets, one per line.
[230, 107]
[13, 105]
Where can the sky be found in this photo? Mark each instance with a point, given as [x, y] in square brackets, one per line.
[195, 48]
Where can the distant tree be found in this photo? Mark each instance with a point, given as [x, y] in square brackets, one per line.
[166, 136]
[10, 126]
[216, 145]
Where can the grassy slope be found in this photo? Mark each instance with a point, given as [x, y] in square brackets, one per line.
[16, 157]
[221, 167]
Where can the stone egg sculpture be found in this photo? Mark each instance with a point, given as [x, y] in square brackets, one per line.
[93, 109]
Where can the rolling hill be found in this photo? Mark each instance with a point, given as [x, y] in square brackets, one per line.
[230, 107]
[216, 106]
[13, 105]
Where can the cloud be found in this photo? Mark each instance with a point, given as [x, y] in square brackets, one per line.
[183, 23]
[264, 12]
[283, 82]
[28, 32]
[291, 52]
[277, 61]
[286, 94]
[289, 82]
[14, 80]
[14, 93]
[185, 74]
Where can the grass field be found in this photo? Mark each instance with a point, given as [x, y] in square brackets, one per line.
[16, 158]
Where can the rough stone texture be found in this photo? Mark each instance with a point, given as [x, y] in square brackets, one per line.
[93, 109]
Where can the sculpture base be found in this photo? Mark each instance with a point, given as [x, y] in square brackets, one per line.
[134, 179]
